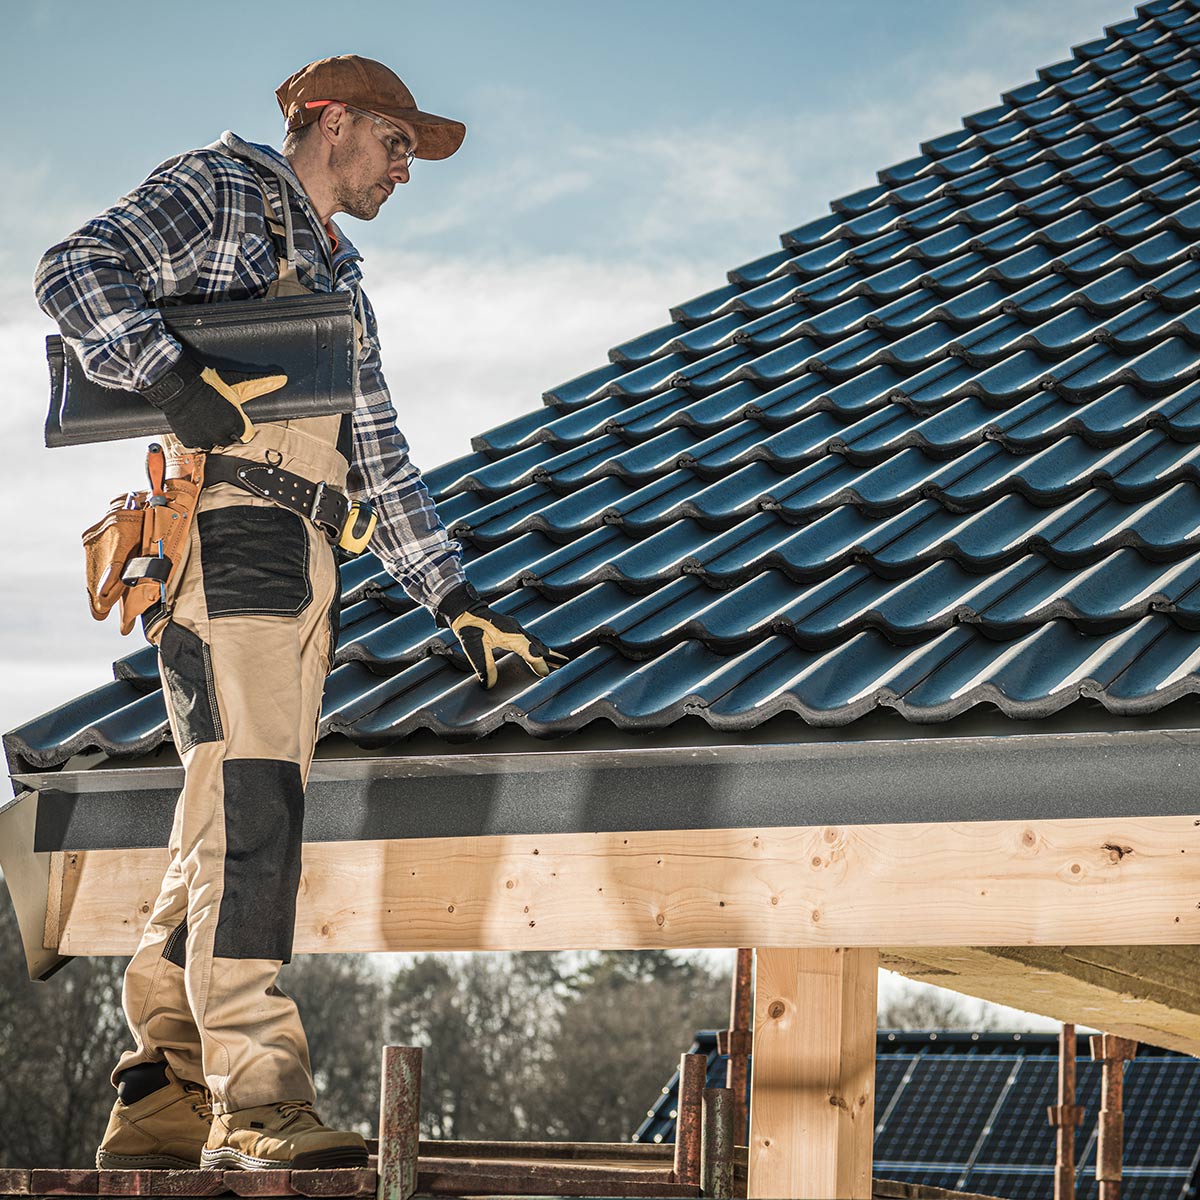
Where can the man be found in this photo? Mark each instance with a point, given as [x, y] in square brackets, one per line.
[219, 1073]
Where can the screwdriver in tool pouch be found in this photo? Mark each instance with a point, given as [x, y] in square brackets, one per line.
[156, 472]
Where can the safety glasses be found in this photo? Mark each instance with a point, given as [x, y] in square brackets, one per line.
[396, 144]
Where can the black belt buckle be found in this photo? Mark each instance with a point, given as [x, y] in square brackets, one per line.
[328, 510]
[318, 496]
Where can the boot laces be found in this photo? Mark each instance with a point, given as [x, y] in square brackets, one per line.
[293, 1109]
[201, 1100]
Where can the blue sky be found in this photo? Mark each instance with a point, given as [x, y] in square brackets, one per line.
[620, 157]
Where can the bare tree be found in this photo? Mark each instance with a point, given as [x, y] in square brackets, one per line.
[922, 1006]
[59, 1042]
[482, 1021]
[619, 1039]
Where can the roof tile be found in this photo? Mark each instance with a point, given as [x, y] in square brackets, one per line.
[942, 448]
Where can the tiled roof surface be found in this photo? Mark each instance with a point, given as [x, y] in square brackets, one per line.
[942, 448]
[968, 1112]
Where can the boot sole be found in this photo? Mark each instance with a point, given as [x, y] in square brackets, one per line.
[227, 1158]
[107, 1161]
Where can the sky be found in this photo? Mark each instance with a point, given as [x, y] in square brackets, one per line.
[620, 157]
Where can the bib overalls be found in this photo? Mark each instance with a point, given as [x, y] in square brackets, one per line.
[246, 639]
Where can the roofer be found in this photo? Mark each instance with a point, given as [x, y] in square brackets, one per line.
[219, 1071]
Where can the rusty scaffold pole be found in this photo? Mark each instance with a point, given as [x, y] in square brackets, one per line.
[1065, 1116]
[689, 1117]
[1112, 1052]
[736, 1041]
[716, 1144]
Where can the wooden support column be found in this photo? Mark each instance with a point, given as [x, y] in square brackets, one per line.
[812, 1080]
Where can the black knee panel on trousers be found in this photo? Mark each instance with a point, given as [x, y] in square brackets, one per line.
[187, 666]
[264, 821]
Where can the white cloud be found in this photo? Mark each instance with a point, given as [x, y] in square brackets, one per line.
[470, 344]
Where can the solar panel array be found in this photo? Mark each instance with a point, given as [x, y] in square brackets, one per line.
[967, 1112]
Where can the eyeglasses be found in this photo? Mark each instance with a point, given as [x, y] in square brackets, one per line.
[396, 144]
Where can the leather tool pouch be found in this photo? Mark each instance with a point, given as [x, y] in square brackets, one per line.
[133, 552]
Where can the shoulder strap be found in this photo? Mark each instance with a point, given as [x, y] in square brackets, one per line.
[277, 226]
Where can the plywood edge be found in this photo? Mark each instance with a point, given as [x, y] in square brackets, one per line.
[27, 875]
[1140, 992]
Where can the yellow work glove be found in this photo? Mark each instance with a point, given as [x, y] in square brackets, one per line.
[240, 392]
[481, 632]
[203, 407]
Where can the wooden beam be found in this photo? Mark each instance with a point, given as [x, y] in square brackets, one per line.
[33, 886]
[1086, 882]
[54, 888]
[1148, 993]
[812, 1085]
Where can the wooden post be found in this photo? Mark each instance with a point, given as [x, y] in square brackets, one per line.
[399, 1122]
[738, 1047]
[716, 1143]
[688, 1117]
[812, 1089]
[1065, 1116]
[1112, 1052]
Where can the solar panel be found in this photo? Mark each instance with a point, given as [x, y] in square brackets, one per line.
[1162, 1111]
[1030, 1184]
[1021, 1134]
[952, 1098]
[889, 1074]
[938, 1102]
[929, 1177]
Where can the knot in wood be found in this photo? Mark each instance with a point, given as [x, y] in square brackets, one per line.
[776, 1009]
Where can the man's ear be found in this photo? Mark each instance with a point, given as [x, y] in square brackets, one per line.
[334, 122]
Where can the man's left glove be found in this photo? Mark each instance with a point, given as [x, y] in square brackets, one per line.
[482, 632]
[204, 408]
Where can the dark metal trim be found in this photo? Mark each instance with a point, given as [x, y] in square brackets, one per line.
[1024, 777]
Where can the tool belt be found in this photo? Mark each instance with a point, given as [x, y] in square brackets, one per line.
[132, 552]
[347, 524]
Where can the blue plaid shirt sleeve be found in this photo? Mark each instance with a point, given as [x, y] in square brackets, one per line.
[409, 539]
[182, 233]
[100, 283]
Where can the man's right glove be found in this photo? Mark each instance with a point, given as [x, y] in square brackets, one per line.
[204, 408]
[482, 632]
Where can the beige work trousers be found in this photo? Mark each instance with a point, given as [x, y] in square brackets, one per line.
[245, 643]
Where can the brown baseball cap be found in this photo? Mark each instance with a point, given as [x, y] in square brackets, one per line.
[370, 85]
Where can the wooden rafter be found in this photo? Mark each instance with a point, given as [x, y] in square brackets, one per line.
[1022, 883]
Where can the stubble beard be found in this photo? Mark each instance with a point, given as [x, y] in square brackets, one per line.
[353, 195]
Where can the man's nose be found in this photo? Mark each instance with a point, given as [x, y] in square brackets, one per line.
[398, 172]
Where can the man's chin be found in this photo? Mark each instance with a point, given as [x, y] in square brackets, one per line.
[365, 211]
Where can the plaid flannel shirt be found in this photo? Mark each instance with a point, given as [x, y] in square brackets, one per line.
[195, 232]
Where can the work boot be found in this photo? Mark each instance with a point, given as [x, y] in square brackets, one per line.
[159, 1122]
[275, 1136]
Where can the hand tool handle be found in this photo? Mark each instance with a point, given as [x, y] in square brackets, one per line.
[156, 471]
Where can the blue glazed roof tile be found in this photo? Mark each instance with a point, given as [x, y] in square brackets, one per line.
[939, 448]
